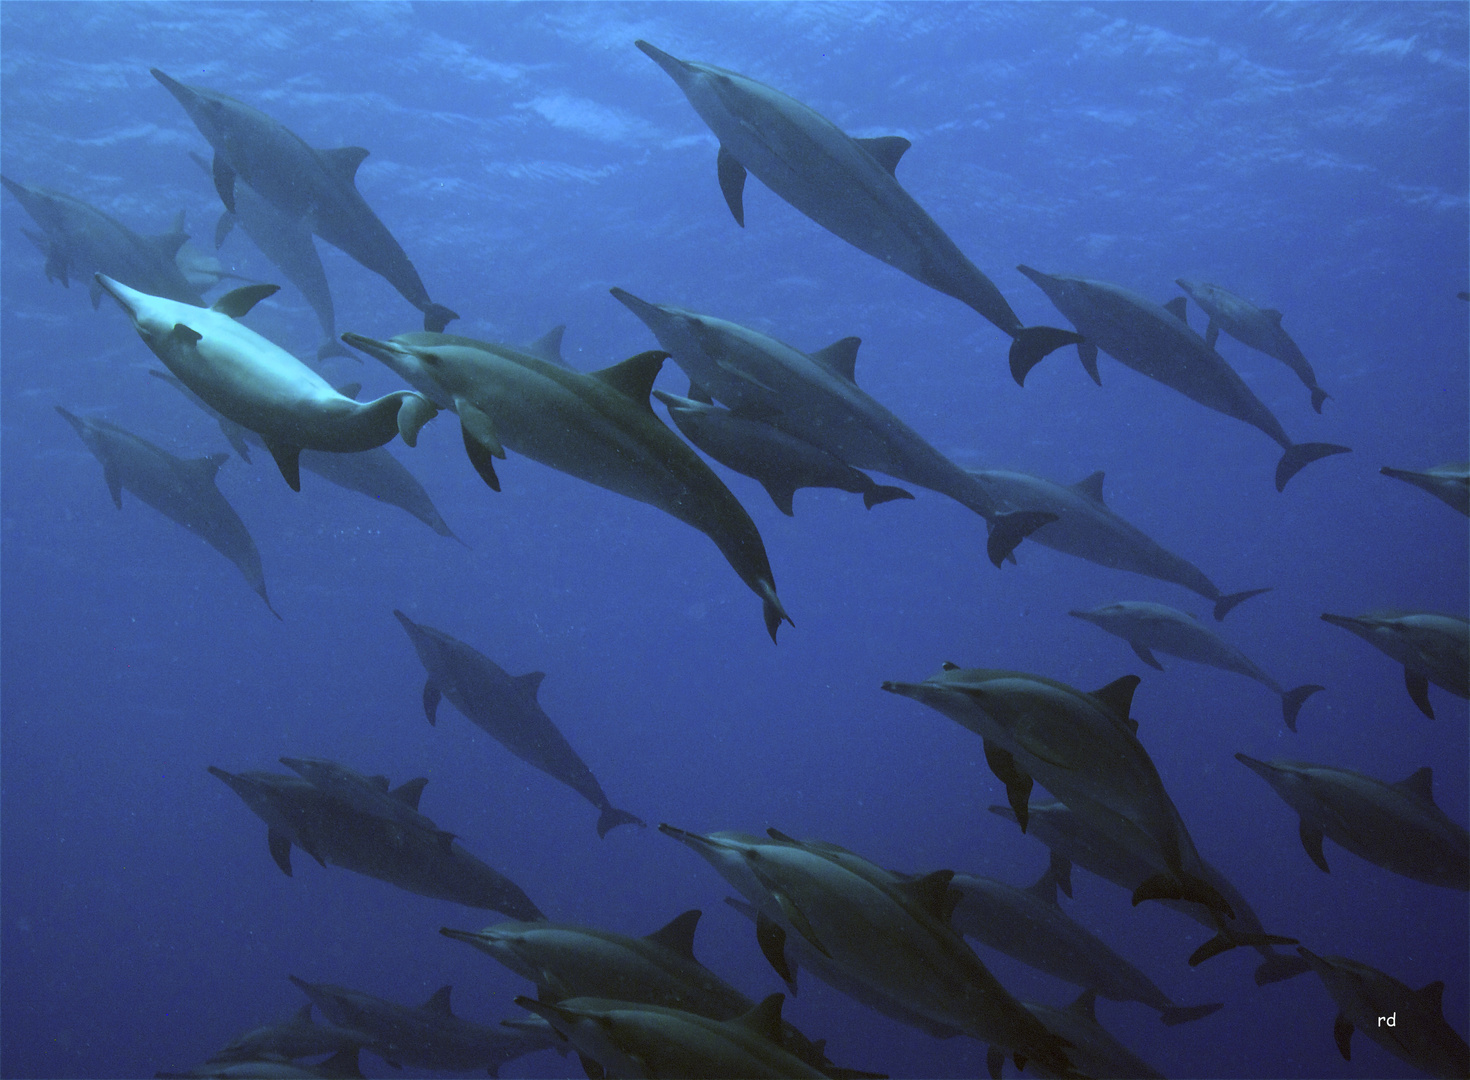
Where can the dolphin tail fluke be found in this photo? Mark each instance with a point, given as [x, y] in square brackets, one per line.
[1280, 968]
[330, 347]
[1226, 604]
[771, 608]
[414, 411]
[882, 493]
[1183, 1014]
[261, 592]
[1291, 702]
[1318, 396]
[1183, 887]
[437, 317]
[611, 817]
[1033, 344]
[1008, 530]
[1299, 455]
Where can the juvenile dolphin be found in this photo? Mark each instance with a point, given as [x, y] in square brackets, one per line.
[428, 1036]
[845, 185]
[297, 1037]
[1449, 483]
[1028, 925]
[1260, 328]
[1093, 1051]
[259, 385]
[815, 398]
[79, 241]
[780, 462]
[598, 427]
[1396, 826]
[182, 490]
[1157, 342]
[1087, 528]
[1433, 648]
[1147, 626]
[505, 706]
[1419, 1033]
[317, 186]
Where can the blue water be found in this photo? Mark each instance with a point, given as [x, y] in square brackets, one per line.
[1310, 157]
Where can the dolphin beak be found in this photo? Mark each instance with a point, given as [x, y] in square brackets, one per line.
[649, 313]
[676, 68]
[378, 350]
[1260, 768]
[904, 688]
[115, 289]
[469, 937]
[1035, 275]
[184, 94]
[1347, 622]
[408, 624]
[697, 841]
[547, 1011]
[81, 427]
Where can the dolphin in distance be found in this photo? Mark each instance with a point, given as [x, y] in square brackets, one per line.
[343, 1065]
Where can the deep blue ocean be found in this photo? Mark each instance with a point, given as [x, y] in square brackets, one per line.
[1310, 157]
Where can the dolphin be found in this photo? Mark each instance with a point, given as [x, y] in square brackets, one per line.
[1081, 747]
[299, 813]
[1147, 626]
[1366, 997]
[201, 270]
[285, 240]
[428, 1036]
[889, 935]
[598, 427]
[1092, 1049]
[340, 1066]
[780, 462]
[505, 706]
[1127, 858]
[1028, 925]
[287, 1040]
[79, 241]
[1087, 528]
[182, 490]
[1396, 826]
[1433, 648]
[261, 386]
[1259, 328]
[1450, 483]
[815, 398]
[365, 794]
[317, 186]
[1157, 342]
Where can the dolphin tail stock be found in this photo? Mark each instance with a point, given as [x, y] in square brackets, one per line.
[1224, 941]
[1008, 530]
[1180, 886]
[1224, 605]
[1291, 702]
[771, 608]
[437, 317]
[1175, 1015]
[1298, 456]
[1032, 344]
[611, 817]
[882, 493]
[414, 411]
[1277, 968]
[1318, 396]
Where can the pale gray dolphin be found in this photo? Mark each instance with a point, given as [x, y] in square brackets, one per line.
[1148, 626]
[317, 186]
[1433, 648]
[845, 185]
[1156, 341]
[505, 707]
[342, 1065]
[261, 386]
[1449, 483]
[1260, 328]
[182, 490]
[298, 1037]
[1396, 826]
[1084, 526]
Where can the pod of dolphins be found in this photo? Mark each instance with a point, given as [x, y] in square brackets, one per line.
[893, 940]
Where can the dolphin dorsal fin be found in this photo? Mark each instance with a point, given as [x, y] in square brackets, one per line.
[168, 243]
[765, 1019]
[886, 149]
[933, 894]
[949, 665]
[1045, 887]
[343, 162]
[410, 791]
[380, 782]
[303, 1014]
[439, 1002]
[207, 467]
[840, 357]
[238, 302]
[1420, 783]
[1118, 695]
[1085, 1005]
[1176, 307]
[777, 834]
[548, 346]
[699, 394]
[678, 935]
[1272, 314]
[530, 682]
[1091, 487]
[1432, 997]
[349, 389]
[633, 378]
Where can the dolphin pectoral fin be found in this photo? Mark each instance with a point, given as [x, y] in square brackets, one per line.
[1183, 887]
[114, 482]
[1008, 530]
[222, 228]
[1277, 968]
[732, 184]
[1018, 784]
[1226, 604]
[995, 1060]
[1212, 948]
[1146, 655]
[772, 940]
[1032, 344]
[224, 182]
[432, 695]
[1318, 396]
[1312, 840]
[1183, 1014]
[280, 845]
[1087, 353]
[288, 460]
[476, 428]
[882, 493]
[185, 336]
[592, 1069]
[798, 919]
[1298, 456]
[1212, 333]
[1418, 686]
[1291, 702]
[1342, 1034]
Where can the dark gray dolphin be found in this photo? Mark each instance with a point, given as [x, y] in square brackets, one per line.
[780, 462]
[298, 1037]
[1433, 648]
[342, 1065]
[1147, 626]
[1093, 1051]
[1260, 328]
[79, 241]
[845, 185]
[317, 186]
[1157, 342]
[182, 490]
[505, 706]
[1449, 483]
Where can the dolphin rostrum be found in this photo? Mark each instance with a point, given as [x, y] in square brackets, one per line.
[318, 186]
[259, 385]
[1148, 626]
[1433, 648]
[845, 185]
[1157, 342]
[182, 490]
[1450, 483]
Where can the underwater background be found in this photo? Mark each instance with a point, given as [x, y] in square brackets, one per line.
[1311, 157]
